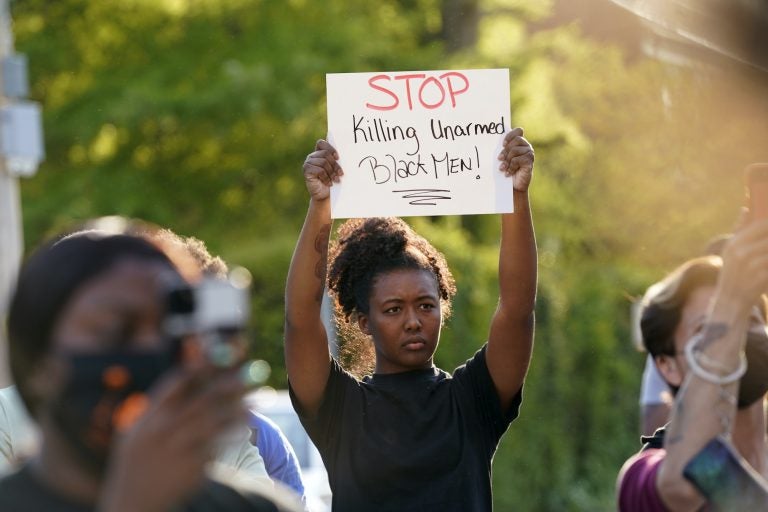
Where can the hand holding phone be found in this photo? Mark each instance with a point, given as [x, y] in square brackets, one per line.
[726, 481]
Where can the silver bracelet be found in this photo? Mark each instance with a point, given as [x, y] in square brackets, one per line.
[708, 376]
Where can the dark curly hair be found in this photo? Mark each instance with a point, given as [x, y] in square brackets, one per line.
[363, 250]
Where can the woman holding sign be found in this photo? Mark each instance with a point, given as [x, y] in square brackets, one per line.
[410, 436]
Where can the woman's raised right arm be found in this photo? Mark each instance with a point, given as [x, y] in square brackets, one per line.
[706, 404]
[307, 358]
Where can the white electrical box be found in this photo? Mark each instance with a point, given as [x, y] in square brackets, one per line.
[21, 138]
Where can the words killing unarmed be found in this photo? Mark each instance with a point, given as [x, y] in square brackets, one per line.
[378, 130]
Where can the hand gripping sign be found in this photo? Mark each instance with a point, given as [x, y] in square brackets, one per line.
[419, 142]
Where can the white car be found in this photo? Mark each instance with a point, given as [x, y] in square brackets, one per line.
[276, 405]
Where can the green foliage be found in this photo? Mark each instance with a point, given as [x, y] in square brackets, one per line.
[196, 115]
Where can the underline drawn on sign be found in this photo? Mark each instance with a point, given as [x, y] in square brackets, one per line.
[424, 196]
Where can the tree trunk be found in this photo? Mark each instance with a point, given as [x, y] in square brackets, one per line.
[460, 24]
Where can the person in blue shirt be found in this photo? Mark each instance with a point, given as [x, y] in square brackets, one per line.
[279, 457]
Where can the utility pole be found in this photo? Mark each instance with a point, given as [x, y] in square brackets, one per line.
[21, 150]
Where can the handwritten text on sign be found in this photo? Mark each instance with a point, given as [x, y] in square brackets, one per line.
[419, 142]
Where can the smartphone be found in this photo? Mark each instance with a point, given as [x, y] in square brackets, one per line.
[756, 177]
[726, 481]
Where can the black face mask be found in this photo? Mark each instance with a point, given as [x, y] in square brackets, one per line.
[104, 393]
[754, 384]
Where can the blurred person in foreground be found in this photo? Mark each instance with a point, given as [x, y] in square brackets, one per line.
[19, 436]
[130, 413]
[705, 326]
[655, 393]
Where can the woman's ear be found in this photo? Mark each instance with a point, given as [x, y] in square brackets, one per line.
[670, 370]
[362, 323]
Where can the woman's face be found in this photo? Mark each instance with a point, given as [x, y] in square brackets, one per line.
[120, 308]
[404, 319]
[692, 318]
[107, 349]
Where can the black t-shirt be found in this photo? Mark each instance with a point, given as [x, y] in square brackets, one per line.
[22, 491]
[421, 441]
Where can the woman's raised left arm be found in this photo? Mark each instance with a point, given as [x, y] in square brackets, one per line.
[510, 341]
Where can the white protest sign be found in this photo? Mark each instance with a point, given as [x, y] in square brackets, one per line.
[419, 142]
